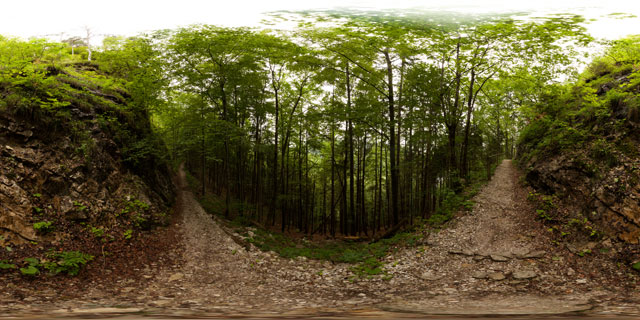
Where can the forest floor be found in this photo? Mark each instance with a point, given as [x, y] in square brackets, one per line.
[496, 259]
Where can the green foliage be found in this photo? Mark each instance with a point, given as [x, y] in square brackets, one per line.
[602, 151]
[452, 203]
[563, 120]
[636, 266]
[140, 221]
[128, 234]
[6, 265]
[346, 251]
[584, 252]
[133, 205]
[79, 206]
[368, 268]
[43, 227]
[30, 271]
[69, 262]
[543, 215]
[137, 211]
[97, 232]
[32, 267]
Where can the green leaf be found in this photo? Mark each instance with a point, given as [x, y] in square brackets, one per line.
[29, 271]
[4, 264]
[32, 261]
[636, 266]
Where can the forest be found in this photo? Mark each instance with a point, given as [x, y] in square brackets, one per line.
[357, 125]
[344, 125]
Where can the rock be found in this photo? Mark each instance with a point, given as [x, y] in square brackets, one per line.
[128, 289]
[523, 275]
[468, 252]
[464, 252]
[479, 275]
[497, 276]
[499, 258]
[534, 254]
[430, 276]
[572, 248]
[161, 303]
[519, 252]
[478, 258]
[176, 276]
[77, 215]
[450, 290]
[107, 310]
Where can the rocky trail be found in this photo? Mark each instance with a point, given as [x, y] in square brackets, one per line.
[496, 259]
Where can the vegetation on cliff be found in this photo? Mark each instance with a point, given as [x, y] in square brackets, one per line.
[83, 175]
[580, 148]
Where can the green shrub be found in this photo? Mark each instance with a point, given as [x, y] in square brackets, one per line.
[368, 268]
[43, 227]
[602, 151]
[598, 68]
[30, 271]
[134, 205]
[69, 262]
[5, 265]
[97, 232]
[32, 267]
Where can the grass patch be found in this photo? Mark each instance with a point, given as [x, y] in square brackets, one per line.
[347, 251]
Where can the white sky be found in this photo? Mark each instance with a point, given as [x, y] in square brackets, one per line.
[28, 18]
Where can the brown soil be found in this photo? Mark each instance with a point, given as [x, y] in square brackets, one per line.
[458, 270]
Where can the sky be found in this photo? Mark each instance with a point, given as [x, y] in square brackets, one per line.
[64, 18]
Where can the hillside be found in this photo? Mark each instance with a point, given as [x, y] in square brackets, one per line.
[581, 151]
[82, 180]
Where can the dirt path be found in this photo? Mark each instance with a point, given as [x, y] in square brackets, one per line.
[496, 259]
[499, 259]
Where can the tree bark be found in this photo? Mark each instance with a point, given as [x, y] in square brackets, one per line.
[395, 210]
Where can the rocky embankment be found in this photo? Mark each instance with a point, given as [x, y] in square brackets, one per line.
[67, 181]
[591, 190]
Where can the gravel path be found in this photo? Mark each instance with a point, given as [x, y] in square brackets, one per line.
[499, 259]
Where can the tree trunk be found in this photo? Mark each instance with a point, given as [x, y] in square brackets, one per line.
[333, 187]
[274, 174]
[465, 150]
[395, 210]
